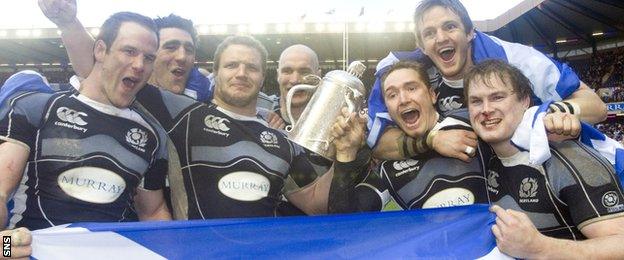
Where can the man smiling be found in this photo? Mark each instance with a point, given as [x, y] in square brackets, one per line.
[87, 156]
[448, 41]
[232, 163]
[427, 180]
[175, 58]
[570, 206]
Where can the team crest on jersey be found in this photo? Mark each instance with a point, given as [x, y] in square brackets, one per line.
[528, 190]
[71, 119]
[611, 201]
[492, 182]
[449, 103]
[137, 138]
[269, 139]
[404, 167]
[217, 125]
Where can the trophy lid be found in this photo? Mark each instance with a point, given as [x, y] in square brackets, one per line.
[349, 78]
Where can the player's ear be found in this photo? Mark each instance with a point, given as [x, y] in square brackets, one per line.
[99, 50]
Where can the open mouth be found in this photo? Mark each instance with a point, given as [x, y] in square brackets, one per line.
[410, 116]
[447, 53]
[130, 82]
[491, 122]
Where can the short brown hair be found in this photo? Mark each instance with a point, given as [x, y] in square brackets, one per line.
[415, 66]
[453, 5]
[241, 40]
[110, 29]
[506, 72]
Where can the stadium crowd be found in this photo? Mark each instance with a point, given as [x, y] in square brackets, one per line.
[604, 72]
[142, 135]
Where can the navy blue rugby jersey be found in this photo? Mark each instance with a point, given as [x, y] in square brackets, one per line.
[572, 189]
[232, 165]
[427, 180]
[86, 159]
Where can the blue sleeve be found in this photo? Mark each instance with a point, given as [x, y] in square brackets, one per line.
[24, 81]
[200, 84]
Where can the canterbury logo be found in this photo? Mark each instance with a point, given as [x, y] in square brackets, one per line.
[449, 103]
[216, 123]
[71, 116]
[402, 165]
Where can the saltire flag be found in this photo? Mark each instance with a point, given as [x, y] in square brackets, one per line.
[24, 81]
[552, 80]
[450, 233]
[535, 140]
[198, 86]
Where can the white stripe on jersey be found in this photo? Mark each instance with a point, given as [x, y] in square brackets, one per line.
[579, 181]
[19, 201]
[550, 196]
[114, 111]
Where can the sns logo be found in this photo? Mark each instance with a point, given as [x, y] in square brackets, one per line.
[216, 123]
[136, 137]
[6, 246]
[71, 116]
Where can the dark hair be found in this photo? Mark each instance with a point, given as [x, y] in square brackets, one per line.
[175, 21]
[415, 66]
[506, 72]
[240, 40]
[453, 5]
[110, 28]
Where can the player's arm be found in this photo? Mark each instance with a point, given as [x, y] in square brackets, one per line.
[348, 139]
[592, 109]
[346, 195]
[13, 158]
[392, 144]
[395, 145]
[77, 41]
[150, 205]
[517, 236]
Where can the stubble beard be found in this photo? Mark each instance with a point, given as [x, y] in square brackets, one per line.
[236, 101]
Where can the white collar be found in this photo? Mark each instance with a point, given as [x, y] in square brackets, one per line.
[454, 83]
[241, 117]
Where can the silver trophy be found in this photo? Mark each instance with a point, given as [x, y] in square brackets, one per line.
[336, 90]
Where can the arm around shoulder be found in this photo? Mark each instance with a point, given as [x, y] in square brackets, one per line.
[592, 109]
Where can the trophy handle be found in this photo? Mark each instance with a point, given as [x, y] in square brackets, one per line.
[351, 97]
[292, 92]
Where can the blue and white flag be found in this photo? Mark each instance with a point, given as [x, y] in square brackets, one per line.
[551, 80]
[449, 233]
[24, 81]
[533, 138]
[198, 86]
